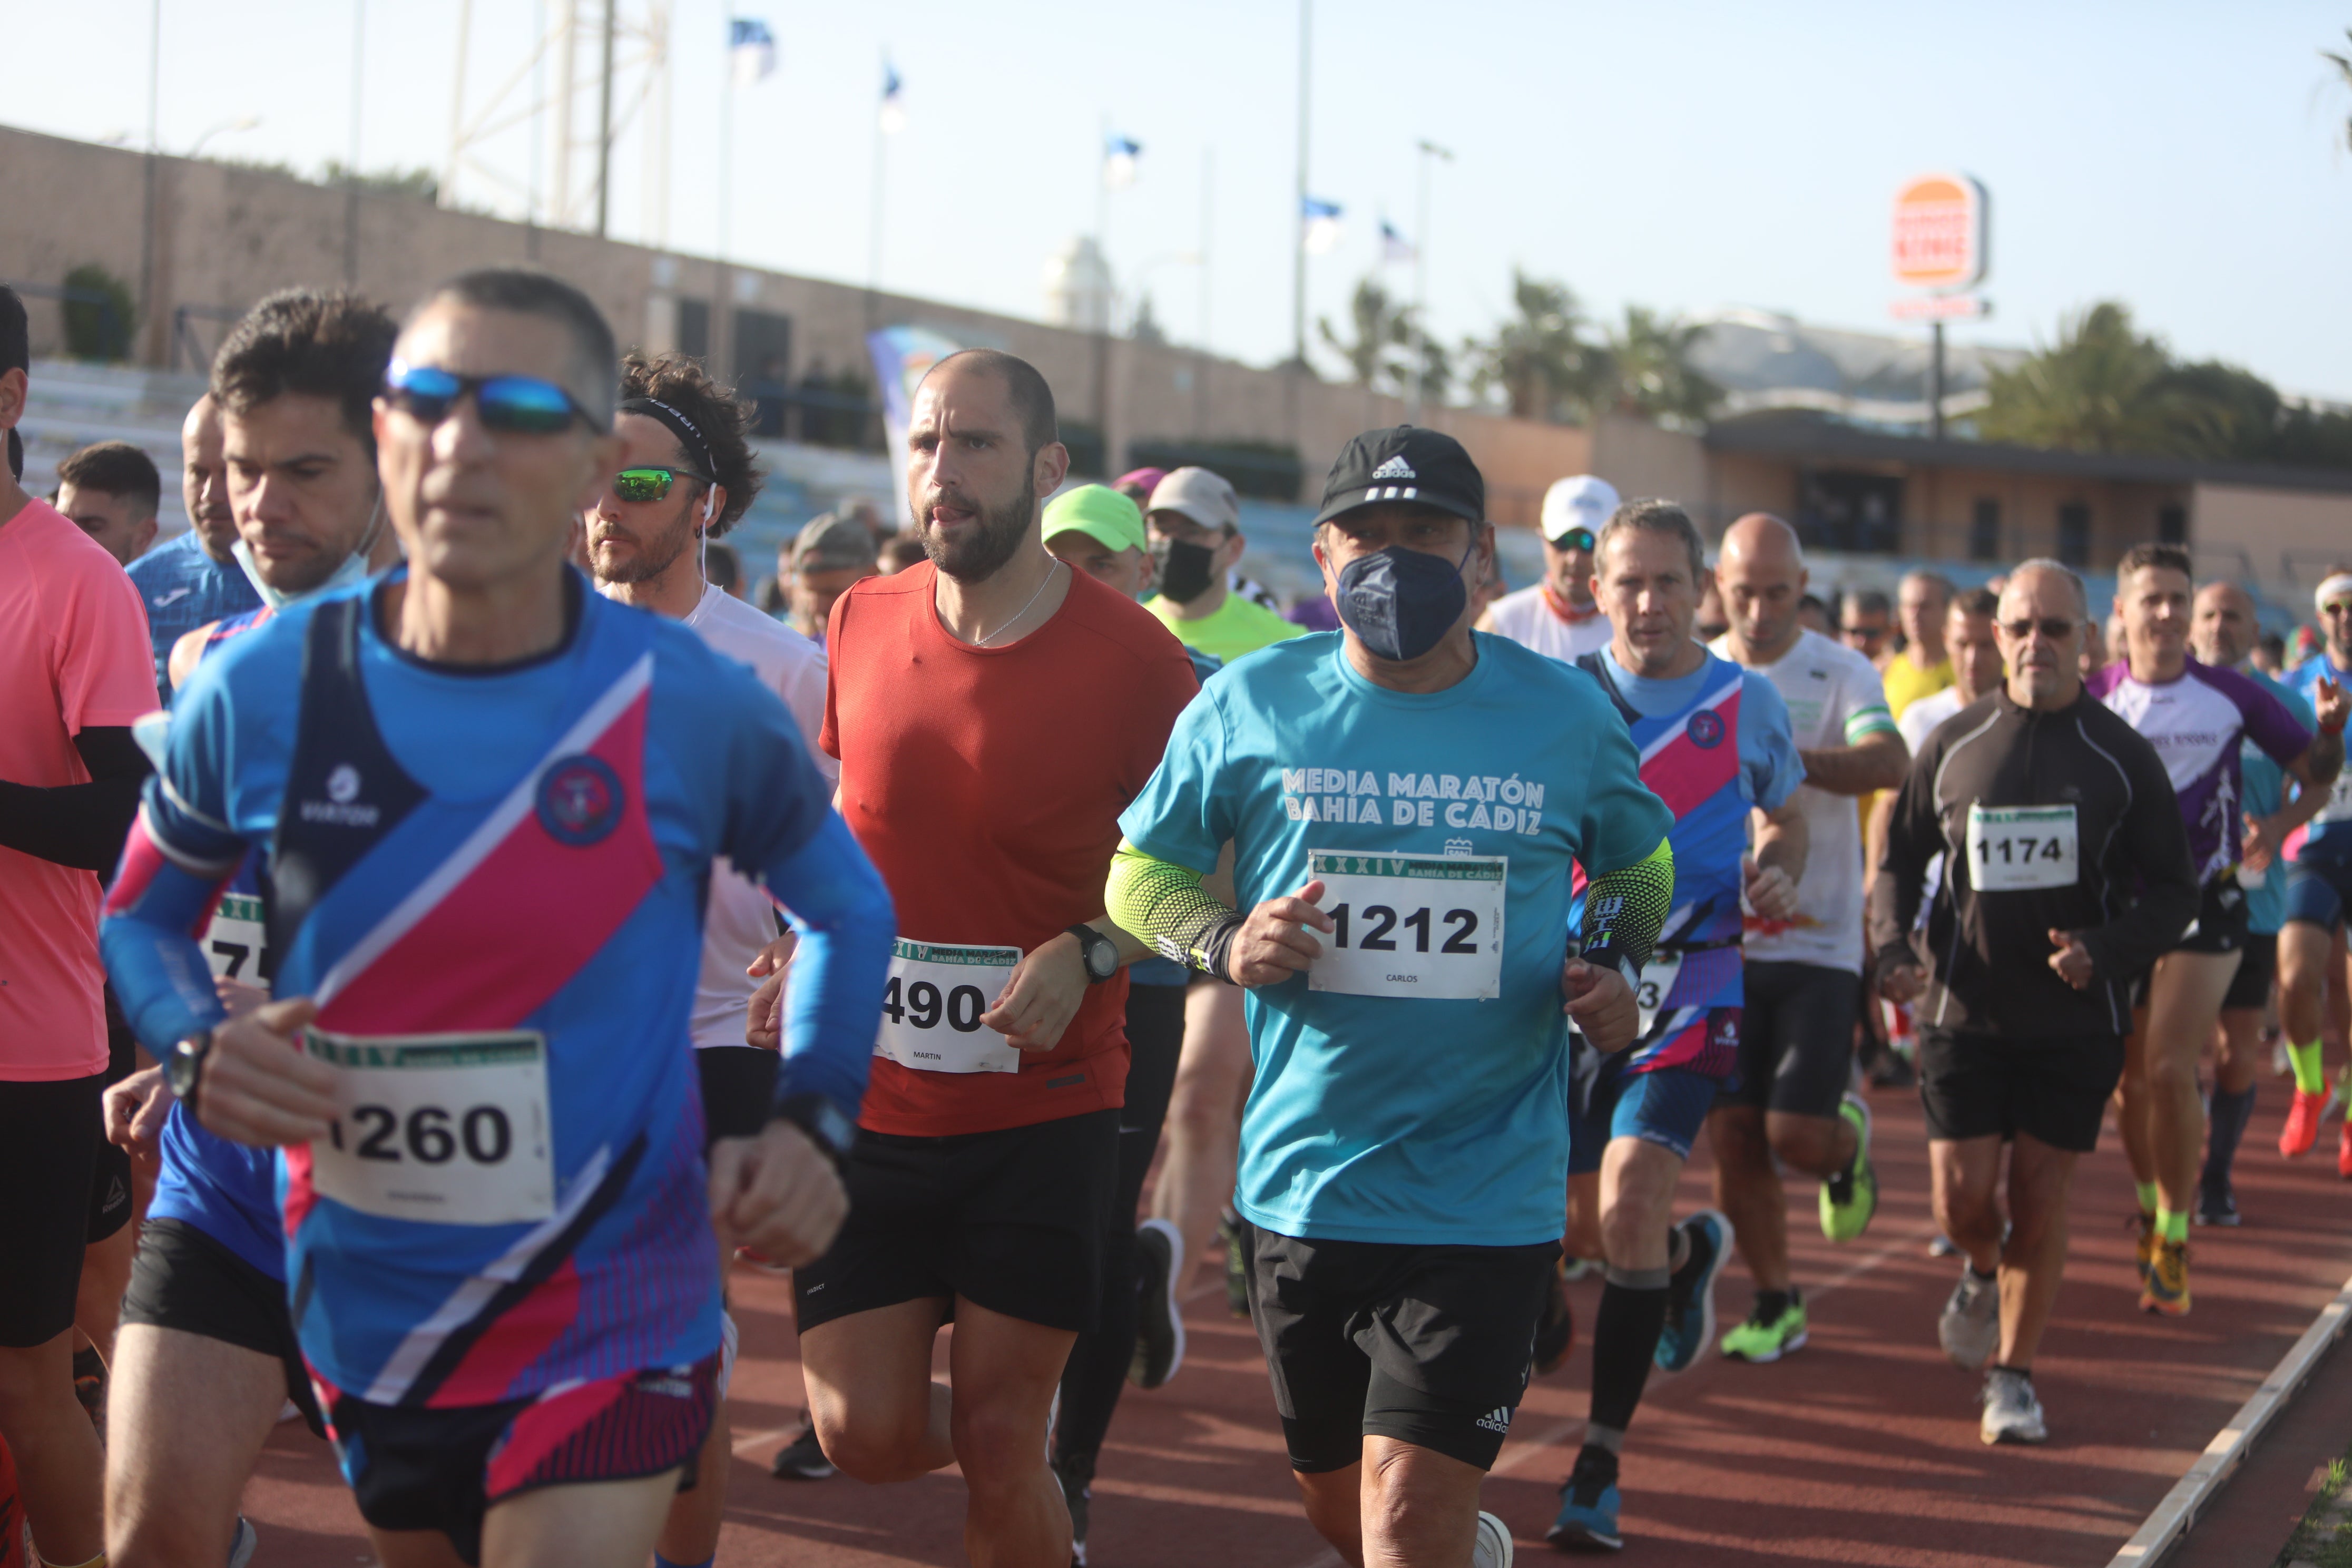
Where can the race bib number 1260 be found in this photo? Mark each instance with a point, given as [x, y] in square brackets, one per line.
[1410, 926]
[445, 1129]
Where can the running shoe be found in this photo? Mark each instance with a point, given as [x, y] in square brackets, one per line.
[802, 1458]
[1969, 1329]
[1575, 1269]
[1077, 1495]
[2166, 1290]
[1159, 1322]
[1234, 1232]
[2217, 1204]
[1588, 1506]
[2301, 1129]
[241, 1545]
[2012, 1412]
[1690, 1292]
[2344, 1153]
[2145, 1248]
[1851, 1197]
[1556, 1330]
[1943, 1247]
[1760, 1339]
[1490, 1548]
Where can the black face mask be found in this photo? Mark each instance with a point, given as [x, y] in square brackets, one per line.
[1184, 568]
[1401, 603]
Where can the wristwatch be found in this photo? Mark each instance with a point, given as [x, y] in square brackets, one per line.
[1101, 954]
[184, 1066]
[823, 1121]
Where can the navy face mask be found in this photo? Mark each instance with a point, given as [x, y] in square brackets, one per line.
[1401, 603]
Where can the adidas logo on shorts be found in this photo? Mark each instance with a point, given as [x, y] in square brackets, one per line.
[1497, 1420]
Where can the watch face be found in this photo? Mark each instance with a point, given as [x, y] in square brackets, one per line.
[180, 1067]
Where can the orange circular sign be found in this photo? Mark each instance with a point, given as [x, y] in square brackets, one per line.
[1939, 232]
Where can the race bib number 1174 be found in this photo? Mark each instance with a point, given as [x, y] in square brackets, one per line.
[2013, 848]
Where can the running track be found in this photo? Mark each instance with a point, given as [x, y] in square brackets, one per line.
[1861, 1449]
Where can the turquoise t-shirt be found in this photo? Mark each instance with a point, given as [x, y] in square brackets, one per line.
[2265, 786]
[1397, 1116]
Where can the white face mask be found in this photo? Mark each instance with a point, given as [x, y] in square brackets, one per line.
[355, 568]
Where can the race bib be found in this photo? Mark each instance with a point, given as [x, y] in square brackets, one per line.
[1658, 978]
[2013, 848]
[2339, 801]
[1410, 926]
[233, 942]
[445, 1129]
[932, 1007]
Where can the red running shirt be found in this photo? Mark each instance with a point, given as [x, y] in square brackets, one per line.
[986, 785]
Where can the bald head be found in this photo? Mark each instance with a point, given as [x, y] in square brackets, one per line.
[1761, 572]
[203, 479]
[2223, 625]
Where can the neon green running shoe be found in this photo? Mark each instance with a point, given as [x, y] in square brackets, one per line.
[1851, 1197]
[1762, 1339]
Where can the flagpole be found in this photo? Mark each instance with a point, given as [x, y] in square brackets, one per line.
[1421, 278]
[722, 309]
[1298, 207]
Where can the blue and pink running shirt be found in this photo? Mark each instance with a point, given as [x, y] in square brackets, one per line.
[2195, 722]
[491, 881]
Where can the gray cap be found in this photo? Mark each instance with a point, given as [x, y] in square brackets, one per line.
[831, 541]
[1204, 496]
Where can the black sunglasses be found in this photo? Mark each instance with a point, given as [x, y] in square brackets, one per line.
[522, 405]
[2051, 627]
[1873, 633]
[651, 482]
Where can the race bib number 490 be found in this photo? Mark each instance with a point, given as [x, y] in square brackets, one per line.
[445, 1129]
[932, 1007]
[1410, 926]
[2013, 848]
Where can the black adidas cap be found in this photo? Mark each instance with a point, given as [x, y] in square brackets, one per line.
[1404, 463]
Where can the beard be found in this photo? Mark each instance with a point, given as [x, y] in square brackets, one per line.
[656, 553]
[1001, 529]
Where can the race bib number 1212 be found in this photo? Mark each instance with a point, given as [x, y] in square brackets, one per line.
[1410, 926]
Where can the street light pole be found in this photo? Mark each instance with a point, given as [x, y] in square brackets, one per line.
[1420, 279]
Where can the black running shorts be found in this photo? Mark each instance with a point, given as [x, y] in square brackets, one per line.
[49, 1142]
[2250, 988]
[1796, 1038]
[2221, 925]
[1011, 1220]
[1429, 1345]
[184, 1279]
[738, 1090]
[110, 1178]
[1984, 1085]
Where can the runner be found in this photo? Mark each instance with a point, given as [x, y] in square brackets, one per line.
[478, 747]
[2046, 808]
[1803, 981]
[1194, 520]
[1139, 1336]
[992, 712]
[1136, 485]
[831, 551]
[1558, 615]
[1866, 623]
[2195, 715]
[1973, 648]
[1396, 1283]
[1923, 665]
[75, 671]
[2318, 887]
[2223, 634]
[1716, 746]
[194, 580]
[686, 476]
[110, 491]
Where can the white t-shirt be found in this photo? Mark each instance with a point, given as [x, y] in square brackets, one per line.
[1919, 720]
[740, 918]
[1835, 698]
[1528, 618]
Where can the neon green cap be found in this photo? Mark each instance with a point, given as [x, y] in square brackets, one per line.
[1100, 514]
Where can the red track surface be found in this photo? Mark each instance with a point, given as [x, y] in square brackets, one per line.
[1861, 1449]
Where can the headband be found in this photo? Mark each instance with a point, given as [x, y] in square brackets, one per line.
[2337, 587]
[688, 435]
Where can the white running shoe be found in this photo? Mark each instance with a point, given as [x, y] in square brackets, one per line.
[2011, 1412]
[241, 1544]
[1492, 1546]
[1970, 1329]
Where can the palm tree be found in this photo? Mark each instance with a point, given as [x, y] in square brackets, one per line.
[2102, 387]
[1376, 325]
[1538, 359]
[1652, 375]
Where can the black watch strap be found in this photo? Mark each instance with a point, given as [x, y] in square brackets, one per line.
[184, 1069]
[823, 1121]
[1101, 953]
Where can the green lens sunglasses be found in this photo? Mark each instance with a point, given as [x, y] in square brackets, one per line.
[652, 483]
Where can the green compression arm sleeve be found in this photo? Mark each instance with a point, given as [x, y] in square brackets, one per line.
[1164, 905]
[1625, 911]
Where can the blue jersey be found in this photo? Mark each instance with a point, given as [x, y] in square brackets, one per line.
[2264, 795]
[184, 588]
[492, 884]
[1414, 1088]
[1713, 743]
[2333, 826]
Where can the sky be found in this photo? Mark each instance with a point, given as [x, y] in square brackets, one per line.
[2188, 160]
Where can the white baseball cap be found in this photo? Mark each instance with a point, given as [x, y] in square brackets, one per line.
[1581, 500]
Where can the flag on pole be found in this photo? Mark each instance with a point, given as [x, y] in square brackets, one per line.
[1395, 248]
[1119, 161]
[893, 107]
[750, 49]
[1319, 226]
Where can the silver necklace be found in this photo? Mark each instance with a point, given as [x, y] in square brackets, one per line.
[1024, 610]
